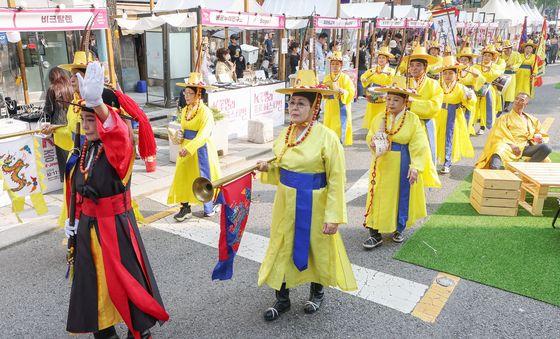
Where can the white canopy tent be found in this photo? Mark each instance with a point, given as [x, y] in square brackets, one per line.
[364, 10]
[499, 8]
[293, 8]
[537, 14]
[530, 14]
[173, 5]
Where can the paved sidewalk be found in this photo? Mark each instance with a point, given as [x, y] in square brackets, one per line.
[148, 189]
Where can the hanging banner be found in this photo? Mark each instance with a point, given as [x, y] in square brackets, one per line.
[417, 24]
[390, 23]
[327, 22]
[240, 19]
[31, 20]
[445, 24]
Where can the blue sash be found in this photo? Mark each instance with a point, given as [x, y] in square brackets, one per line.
[449, 130]
[343, 117]
[509, 72]
[203, 163]
[489, 109]
[529, 67]
[73, 158]
[430, 129]
[304, 183]
[404, 185]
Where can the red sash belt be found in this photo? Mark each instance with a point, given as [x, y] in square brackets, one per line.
[106, 207]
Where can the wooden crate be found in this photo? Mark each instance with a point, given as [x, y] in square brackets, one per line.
[493, 193]
[496, 179]
[495, 202]
[490, 210]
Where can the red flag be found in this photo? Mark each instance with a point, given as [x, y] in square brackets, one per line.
[541, 54]
[523, 38]
[235, 198]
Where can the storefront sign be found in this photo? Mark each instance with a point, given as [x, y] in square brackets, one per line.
[30, 20]
[267, 103]
[417, 24]
[234, 19]
[326, 22]
[235, 106]
[390, 23]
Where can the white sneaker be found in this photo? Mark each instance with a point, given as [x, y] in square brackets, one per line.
[445, 170]
[480, 132]
[215, 210]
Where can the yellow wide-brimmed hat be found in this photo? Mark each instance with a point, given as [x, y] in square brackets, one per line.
[529, 43]
[449, 62]
[489, 49]
[336, 56]
[507, 44]
[306, 81]
[195, 80]
[385, 51]
[396, 90]
[434, 44]
[81, 60]
[419, 52]
[467, 52]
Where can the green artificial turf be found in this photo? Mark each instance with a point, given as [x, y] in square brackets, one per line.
[517, 254]
[557, 85]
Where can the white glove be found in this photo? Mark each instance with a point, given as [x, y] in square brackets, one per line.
[70, 230]
[91, 86]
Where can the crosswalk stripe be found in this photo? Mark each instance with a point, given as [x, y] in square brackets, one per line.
[394, 292]
[359, 188]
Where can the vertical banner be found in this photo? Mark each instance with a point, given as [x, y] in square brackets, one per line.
[445, 25]
[235, 198]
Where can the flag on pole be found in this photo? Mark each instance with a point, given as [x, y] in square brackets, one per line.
[541, 54]
[523, 38]
[235, 198]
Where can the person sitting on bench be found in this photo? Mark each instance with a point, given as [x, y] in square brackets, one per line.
[515, 135]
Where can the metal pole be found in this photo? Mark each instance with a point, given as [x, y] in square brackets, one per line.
[282, 58]
[356, 62]
[21, 59]
[392, 9]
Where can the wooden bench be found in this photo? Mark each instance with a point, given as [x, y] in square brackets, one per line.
[537, 178]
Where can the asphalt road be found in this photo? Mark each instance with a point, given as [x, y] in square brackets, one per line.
[34, 294]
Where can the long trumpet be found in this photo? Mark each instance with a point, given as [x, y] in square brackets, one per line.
[17, 134]
[203, 188]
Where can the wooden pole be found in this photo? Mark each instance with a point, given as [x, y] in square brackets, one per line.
[356, 62]
[111, 57]
[337, 8]
[282, 58]
[246, 5]
[113, 45]
[151, 5]
[21, 59]
[226, 37]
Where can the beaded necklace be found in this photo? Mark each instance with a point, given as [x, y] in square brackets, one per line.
[83, 170]
[194, 107]
[446, 89]
[391, 132]
[418, 83]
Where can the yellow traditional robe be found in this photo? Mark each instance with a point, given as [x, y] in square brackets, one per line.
[524, 82]
[487, 110]
[461, 145]
[337, 119]
[475, 83]
[374, 77]
[512, 65]
[63, 135]
[510, 128]
[384, 211]
[328, 264]
[499, 66]
[436, 65]
[190, 167]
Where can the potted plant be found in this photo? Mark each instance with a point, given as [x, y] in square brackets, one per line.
[220, 133]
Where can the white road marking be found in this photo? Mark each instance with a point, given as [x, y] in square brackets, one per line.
[397, 293]
[359, 188]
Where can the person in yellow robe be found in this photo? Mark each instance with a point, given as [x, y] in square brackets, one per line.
[435, 51]
[338, 107]
[515, 135]
[400, 166]
[309, 171]
[453, 141]
[472, 78]
[486, 108]
[499, 65]
[428, 104]
[528, 70]
[381, 75]
[198, 156]
[513, 61]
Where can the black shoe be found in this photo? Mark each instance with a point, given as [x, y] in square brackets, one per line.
[184, 213]
[398, 237]
[107, 333]
[281, 305]
[143, 335]
[316, 296]
[373, 241]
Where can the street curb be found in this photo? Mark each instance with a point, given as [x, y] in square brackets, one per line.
[25, 238]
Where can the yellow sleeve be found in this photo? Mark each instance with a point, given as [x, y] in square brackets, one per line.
[538, 129]
[348, 89]
[479, 81]
[335, 168]
[418, 145]
[204, 131]
[469, 104]
[367, 78]
[516, 62]
[428, 106]
[272, 176]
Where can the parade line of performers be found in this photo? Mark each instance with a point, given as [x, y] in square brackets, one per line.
[416, 122]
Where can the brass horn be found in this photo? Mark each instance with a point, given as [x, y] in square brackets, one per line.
[203, 188]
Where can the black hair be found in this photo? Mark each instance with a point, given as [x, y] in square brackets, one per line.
[323, 35]
[310, 96]
[421, 60]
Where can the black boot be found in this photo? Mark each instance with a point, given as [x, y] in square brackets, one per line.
[281, 305]
[143, 335]
[107, 333]
[316, 295]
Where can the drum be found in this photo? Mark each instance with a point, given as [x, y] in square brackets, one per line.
[483, 90]
[434, 76]
[375, 97]
[502, 82]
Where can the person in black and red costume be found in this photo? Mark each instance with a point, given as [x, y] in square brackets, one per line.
[113, 280]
